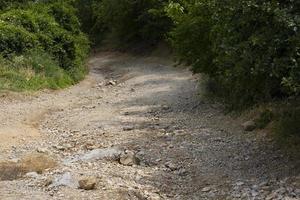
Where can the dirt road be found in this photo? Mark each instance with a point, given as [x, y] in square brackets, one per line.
[181, 146]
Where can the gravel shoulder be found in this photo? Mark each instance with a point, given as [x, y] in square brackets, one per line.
[138, 128]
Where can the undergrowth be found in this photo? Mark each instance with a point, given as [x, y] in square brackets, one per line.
[32, 71]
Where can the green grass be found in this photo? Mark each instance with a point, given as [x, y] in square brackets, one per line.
[35, 71]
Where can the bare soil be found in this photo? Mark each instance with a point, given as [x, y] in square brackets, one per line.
[186, 146]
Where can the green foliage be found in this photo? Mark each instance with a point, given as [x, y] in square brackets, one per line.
[191, 36]
[125, 22]
[249, 48]
[5, 4]
[65, 14]
[32, 71]
[52, 27]
[15, 39]
[264, 119]
[91, 21]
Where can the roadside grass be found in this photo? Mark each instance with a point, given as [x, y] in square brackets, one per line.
[34, 71]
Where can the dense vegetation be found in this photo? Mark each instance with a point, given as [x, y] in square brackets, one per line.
[124, 22]
[250, 49]
[41, 45]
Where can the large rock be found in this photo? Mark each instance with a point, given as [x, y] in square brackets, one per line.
[88, 183]
[249, 126]
[129, 158]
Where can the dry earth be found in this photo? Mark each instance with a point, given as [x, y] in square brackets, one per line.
[178, 146]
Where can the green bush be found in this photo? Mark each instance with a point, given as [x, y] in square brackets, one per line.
[264, 118]
[15, 39]
[32, 71]
[5, 4]
[49, 27]
[250, 49]
[65, 14]
[125, 22]
[190, 37]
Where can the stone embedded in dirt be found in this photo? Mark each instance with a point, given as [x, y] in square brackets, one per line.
[65, 179]
[37, 162]
[165, 107]
[112, 82]
[48, 181]
[240, 183]
[32, 175]
[129, 158]
[42, 150]
[88, 183]
[60, 148]
[249, 126]
[90, 146]
[206, 189]
[171, 166]
[182, 172]
[128, 128]
[112, 153]
[126, 113]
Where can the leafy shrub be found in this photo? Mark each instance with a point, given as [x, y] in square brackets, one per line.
[125, 22]
[264, 119]
[249, 48]
[65, 14]
[90, 18]
[49, 26]
[32, 71]
[15, 39]
[44, 33]
[4, 4]
[190, 37]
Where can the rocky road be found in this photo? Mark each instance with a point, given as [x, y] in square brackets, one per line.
[135, 128]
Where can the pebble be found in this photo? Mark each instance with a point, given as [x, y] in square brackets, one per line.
[129, 158]
[88, 183]
[31, 175]
[206, 189]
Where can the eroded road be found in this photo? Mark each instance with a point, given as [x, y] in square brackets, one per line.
[181, 146]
